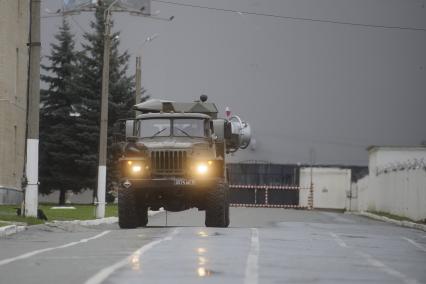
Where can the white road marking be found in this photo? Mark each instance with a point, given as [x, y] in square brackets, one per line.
[414, 243]
[338, 240]
[252, 266]
[30, 254]
[107, 271]
[378, 264]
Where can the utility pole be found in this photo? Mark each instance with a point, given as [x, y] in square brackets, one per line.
[31, 167]
[103, 143]
[311, 187]
[138, 80]
[138, 74]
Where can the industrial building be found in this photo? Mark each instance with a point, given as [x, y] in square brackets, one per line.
[14, 32]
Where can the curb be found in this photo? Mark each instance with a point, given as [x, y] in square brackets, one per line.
[406, 224]
[101, 221]
[11, 229]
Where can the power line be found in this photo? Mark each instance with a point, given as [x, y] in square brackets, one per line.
[291, 18]
[78, 25]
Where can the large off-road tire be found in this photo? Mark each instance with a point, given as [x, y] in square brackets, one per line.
[127, 213]
[228, 197]
[142, 211]
[217, 207]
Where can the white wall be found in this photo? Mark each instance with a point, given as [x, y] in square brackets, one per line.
[330, 187]
[396, 183]
[84, 197]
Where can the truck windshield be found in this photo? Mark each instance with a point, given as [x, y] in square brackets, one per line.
[182, 127]
[148, 128]
[189, 127]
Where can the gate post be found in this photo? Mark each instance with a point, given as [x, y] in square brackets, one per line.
[266, 195]
[311, 197]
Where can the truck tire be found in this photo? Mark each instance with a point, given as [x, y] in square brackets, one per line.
[217, 207]
[227, 219]
[142, 211]
[127, 213]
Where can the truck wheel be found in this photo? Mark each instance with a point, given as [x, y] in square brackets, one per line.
[142, 215]
[217, 207]
[227, 219]
[127, 214]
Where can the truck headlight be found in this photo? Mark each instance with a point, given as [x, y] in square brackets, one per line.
[202, 168]
[136, 169]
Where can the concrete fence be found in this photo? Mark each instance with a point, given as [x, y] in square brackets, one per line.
[401, 193]
[396, 183]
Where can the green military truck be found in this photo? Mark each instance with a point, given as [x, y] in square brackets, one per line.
[174, 157]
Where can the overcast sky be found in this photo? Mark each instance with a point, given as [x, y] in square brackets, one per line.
[301, 84]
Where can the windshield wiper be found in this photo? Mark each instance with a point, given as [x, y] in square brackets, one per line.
[158, 132]
[184, 132]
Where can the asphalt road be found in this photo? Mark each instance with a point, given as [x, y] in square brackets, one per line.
[261, 246]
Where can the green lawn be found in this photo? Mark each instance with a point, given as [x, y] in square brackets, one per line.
[82, 212]
[3, 224]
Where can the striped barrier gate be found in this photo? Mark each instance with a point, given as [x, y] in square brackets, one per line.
[265, 202]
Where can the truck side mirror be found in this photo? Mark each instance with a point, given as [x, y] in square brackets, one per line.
[118, 131]
[219, 126]
[130, 128]
[228, 130]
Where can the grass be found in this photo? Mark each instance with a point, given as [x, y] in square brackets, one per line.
[82, 212]
[2, 224]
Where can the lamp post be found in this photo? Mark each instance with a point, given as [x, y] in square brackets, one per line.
[139, 69]
[103, 143]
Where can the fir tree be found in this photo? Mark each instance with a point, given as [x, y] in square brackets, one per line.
[120, 98]
[59, 149]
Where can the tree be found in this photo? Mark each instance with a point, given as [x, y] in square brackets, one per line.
[59, 149]
[120, 99]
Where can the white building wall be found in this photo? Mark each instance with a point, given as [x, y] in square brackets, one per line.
[84, 197]
[396, 182]
[330, 187]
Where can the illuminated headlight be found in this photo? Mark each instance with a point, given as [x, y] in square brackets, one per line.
[202, 169]
[136, 169]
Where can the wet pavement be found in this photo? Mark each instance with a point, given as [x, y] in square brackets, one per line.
[261, 246]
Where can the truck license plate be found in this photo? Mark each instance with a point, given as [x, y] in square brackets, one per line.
[182, 181]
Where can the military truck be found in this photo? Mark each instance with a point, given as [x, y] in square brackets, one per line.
[174, 157]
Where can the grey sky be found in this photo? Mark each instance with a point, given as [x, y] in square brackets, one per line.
[300, 84]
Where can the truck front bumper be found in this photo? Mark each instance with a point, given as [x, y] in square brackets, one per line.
[170, 183]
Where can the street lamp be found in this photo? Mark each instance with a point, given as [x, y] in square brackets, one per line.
[139, 68]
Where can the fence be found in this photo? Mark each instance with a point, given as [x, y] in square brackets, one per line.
[268, 196]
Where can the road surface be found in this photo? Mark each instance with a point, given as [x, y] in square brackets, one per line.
[261, 246]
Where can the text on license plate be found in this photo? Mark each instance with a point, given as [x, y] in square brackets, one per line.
[182, 181]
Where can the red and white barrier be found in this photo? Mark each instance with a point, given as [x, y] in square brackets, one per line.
[282, 187]
[266, 188]
[267, 205]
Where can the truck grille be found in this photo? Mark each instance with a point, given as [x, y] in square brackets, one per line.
[168, 161]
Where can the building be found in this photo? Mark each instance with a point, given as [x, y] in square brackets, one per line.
[14, 33]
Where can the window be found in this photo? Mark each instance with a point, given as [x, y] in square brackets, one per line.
[189, 127]
[153, 128]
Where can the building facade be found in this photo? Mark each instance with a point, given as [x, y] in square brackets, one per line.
[14, 33]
